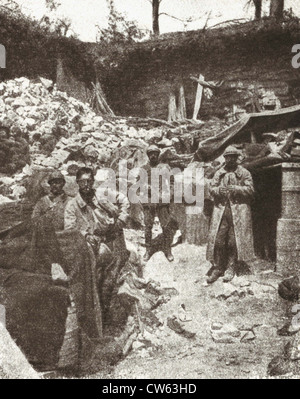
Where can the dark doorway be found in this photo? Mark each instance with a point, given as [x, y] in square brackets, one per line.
[266, 211]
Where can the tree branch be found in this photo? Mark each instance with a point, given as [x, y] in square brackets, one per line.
[205, 26]
[171, 16]
[209, 85]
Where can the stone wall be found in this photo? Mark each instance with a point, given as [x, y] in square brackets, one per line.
[138, 79]
[67, 81]
[141, 85]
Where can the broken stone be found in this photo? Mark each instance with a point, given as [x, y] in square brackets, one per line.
[216, 326]
[243, 282]
[88, 128]
[248, 336]
[47, 83]
[228, 334]
[19, 102]
[151, 338]
[30, 122]
[228, 291]
[179, 328]
[137, 345]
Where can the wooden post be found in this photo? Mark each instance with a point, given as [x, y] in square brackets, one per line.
[198, 98]
[181, 110]
[172, 108]
[288, 227]
[253, 137]
[197, 226]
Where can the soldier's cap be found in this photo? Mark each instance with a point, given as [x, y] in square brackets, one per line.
[231, 150]
[153, 148]
[56, 175]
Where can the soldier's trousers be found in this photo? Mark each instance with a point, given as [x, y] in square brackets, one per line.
[225, 245]
[163, 214]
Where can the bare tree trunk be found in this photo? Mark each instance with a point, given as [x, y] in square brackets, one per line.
[258, 8]
[276, 9]
[155, 17]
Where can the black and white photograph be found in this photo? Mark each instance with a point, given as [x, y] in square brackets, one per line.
[149, 192]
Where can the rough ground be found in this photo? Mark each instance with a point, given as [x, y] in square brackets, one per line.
[255, 307]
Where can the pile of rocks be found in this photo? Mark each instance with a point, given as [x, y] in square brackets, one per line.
[44, 128]
[229, 334]
[44, 115]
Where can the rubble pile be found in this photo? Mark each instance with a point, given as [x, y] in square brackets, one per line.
[44, 128]
[44, 115]
[229, 334]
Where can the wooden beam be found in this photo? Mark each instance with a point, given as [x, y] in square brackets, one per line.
[172, 108]
[181, 109]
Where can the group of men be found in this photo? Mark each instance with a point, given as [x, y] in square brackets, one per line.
[101, 221]
[97, 219]
[95, 216]
[230, 240]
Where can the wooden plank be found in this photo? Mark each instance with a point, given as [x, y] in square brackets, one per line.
[253, 137]
[296, 141]
[172, 108]
[197, 226]
[181, 110]
[296, 152]
[198, 100]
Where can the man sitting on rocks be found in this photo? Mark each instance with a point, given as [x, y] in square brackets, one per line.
[230, 237]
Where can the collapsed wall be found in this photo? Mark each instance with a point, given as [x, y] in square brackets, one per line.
[32, 51]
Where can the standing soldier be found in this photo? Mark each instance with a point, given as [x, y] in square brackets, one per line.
[162, 210]
[230, 237]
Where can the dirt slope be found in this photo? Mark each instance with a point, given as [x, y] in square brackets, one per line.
[253, 307]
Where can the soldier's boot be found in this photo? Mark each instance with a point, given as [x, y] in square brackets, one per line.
[148, 243]
[169, 255]
[217, 270]
[168, 239]
[230, 272]
[214, 276]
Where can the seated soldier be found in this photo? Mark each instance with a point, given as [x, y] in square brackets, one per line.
[53, 205]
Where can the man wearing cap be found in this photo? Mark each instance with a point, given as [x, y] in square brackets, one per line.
[162, 210]
[101, 220]
[93, 214]
[53, 205]
[230, 237]
[91, 158]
